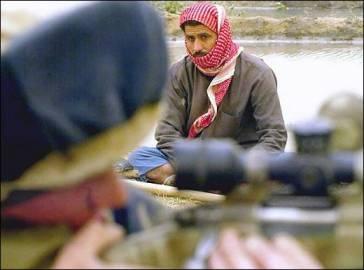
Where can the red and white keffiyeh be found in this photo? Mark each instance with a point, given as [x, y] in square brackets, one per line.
[219, 62]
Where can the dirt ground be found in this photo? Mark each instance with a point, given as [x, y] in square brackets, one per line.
[347, 28]
[267, 25]
[292, 27]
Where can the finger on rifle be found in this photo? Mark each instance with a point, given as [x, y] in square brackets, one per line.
[95, 236]
[265, 254]
[290, 246]
[230, 252]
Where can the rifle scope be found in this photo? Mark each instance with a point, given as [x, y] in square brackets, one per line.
[220, 164]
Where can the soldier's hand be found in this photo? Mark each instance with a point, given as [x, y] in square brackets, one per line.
[255, 252]
[81, 252]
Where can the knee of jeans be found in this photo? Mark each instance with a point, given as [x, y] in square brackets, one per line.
[133, 156]
[131, 159]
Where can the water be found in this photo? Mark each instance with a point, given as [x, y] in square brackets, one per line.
[307, 73]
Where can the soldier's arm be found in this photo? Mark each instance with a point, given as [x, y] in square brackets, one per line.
[83, 250]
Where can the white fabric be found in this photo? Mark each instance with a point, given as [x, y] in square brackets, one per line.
[220, 16]
[226, 73]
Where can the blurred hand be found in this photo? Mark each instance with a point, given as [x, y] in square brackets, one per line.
[81, 252]
[283, 251]
[254, 252]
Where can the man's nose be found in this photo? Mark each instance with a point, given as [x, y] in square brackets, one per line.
[197, 46]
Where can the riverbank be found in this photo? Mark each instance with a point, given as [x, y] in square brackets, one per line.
[284, 20]
[293, 28]
[178, 41]
[265, 21]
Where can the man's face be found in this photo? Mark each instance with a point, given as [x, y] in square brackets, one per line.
[199, 39]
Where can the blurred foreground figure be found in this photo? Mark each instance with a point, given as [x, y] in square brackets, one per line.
[345, 110]
[77, 92]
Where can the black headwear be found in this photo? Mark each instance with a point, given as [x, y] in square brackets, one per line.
[75, 76]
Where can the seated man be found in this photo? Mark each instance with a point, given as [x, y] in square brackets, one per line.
[77, 92]
[217, 91]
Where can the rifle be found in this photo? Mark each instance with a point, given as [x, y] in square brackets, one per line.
[312, 194]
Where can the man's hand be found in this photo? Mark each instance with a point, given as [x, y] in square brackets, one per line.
[254, 252]
[81, 252]
[232, 252]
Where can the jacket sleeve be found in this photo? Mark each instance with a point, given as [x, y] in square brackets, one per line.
[172, 125]
[267, 112]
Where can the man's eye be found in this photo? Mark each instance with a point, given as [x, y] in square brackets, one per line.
[191, 39]
[203, 37]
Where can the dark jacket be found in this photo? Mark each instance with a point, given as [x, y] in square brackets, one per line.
[250, 113]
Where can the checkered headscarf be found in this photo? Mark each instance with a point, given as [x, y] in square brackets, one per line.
[219, 62]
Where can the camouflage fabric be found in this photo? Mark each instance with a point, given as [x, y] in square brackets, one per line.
[31, 247]
[170, 245]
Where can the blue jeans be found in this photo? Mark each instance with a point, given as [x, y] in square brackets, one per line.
[145, 159]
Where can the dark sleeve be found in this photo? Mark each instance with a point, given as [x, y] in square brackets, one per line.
[172, 125]
[267, 112]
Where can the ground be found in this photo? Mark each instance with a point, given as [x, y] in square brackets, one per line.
[292, 27]
[263, 24]
[268, 26]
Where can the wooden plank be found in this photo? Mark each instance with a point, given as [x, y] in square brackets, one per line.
[164, 190]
